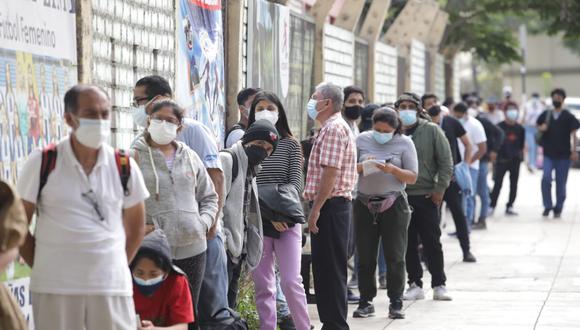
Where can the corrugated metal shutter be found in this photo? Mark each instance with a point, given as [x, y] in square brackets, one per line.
[338, 55]
[385, 73]
[417, 67]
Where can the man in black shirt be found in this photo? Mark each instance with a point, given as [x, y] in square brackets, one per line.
[454, 130]
[509, 157]
[558, 127]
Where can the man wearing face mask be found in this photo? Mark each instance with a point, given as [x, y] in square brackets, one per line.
[244, 99]
[425, 197]
[558, 128]
[88, 228]
[509, 157]
[241, 220]
[330, 181]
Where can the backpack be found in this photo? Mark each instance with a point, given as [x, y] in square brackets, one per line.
[235, 166]
[233, 128]
[49, 155]
[232, 322]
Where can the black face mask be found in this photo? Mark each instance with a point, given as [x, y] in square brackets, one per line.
[353, 113]
[556, 104]
[256, 154]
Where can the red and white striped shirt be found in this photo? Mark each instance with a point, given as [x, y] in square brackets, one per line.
[334, 146]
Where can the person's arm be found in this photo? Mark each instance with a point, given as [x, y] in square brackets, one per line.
[134, 223]
[444, 161]
[27, 249]
[468, 148]
[205, 194]
[574, 154]
[327, 181]
[217, 178]
[480, 152]
[295, 166]
[541, 122]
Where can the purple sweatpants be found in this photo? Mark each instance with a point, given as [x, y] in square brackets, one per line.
[288, 251]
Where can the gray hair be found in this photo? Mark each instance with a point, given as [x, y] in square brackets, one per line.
[332, 92]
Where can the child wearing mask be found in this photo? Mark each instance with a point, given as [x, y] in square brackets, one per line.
[160, 290]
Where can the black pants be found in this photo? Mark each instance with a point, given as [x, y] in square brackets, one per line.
[391, 226]
[425, 224]
[329, 259]
[454, 200]
[501, 168]
[194, 268]
[305, 272]
[234, 273]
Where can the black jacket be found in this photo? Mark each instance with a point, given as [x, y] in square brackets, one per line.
[281, 203]
[494, 134]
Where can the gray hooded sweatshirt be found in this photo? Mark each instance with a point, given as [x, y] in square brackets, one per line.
[183, 202]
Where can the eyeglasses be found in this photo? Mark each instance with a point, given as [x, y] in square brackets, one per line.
[138, 100]
[170, 120]
[91, 197]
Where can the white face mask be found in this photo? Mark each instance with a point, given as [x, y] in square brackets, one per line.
[140, 116]
[271, 116]
[92, 133]
[162, 132]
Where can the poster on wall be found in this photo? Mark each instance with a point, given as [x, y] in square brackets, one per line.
[269, 40]
[199, 76]
[37, 66]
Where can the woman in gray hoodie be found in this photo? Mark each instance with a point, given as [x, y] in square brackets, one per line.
[183, 202]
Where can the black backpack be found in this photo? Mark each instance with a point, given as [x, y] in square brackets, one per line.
[232, 322]
[235, 166]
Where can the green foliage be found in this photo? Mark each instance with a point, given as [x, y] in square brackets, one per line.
[247, 301]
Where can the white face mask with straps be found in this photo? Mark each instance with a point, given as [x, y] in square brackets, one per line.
[162, 132]
[92, 133]
[271, 116]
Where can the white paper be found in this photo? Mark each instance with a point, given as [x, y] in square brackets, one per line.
[370, 167]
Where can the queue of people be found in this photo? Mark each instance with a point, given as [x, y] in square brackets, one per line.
[159, 237]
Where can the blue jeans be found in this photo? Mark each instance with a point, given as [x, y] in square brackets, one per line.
[483, 189]
[214, 288]
[531, 145]
[470, 198]
[561, 166]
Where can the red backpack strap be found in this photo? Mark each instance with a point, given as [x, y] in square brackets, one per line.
[122, 159]
[47, 165]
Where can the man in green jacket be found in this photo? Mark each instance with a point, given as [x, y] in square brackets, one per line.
[425, 197]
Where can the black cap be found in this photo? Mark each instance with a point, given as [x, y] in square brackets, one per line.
[261, 130]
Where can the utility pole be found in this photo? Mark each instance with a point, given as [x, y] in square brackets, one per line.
[523, 48]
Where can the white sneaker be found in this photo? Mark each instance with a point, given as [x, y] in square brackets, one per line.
[440, 293]
[414, 292]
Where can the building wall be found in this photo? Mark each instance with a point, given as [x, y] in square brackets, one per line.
[338, 55]
[131, 39]
[417, 68]
[385, 73]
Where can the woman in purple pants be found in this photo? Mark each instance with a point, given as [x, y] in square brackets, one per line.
[282, 238]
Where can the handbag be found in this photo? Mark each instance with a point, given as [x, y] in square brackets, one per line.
[379, 204]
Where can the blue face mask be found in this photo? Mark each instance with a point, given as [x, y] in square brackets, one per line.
[382, 138]
[408, 117]
[512, 114]
[148, 287]
[311, 108]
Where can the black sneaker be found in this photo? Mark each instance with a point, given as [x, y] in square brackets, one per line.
[509, 211]
[546, 212]
[468, 257]
[480, 225]
[352, 298]
[286, 323]
[557, 215]
[364, 310]
[396, 310]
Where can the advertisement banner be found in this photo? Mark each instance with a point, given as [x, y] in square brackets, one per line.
[269, 41]
[199, 76]
[37, 66]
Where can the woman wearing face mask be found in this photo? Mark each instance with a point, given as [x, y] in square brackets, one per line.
[281, 172]
[387, 163]
[160, 290]
[241, 218]
[183, 201]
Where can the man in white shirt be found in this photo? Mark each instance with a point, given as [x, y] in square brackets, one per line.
[478, 140]
[88, 226]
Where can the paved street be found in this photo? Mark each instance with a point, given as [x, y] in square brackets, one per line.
[527, 275]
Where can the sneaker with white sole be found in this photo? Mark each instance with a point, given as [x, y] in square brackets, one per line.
[440, 293]
[414, 292]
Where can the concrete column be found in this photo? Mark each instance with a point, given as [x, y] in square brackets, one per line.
[319, 12]
[350, 14]
[432, 42]
[234, 59]
[84, 25]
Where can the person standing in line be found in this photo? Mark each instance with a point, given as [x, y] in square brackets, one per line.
[494, 115]
[387, 163]
[245, 99]
[477, 137]
[532, 110]
[330, 182]
[455, 132]
[510, 155]
[425, 197]
[185, 203]
[89, 224]
[558, 127]
[282, 171]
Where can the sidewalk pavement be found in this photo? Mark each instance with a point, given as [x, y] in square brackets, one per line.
[527, 274]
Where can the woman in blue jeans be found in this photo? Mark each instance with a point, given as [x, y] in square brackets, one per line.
[532, 110]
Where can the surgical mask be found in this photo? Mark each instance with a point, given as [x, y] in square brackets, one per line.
[353, 113]
[256, 154]
[140, 116]
[148, 287]
[271, 116]
[512, 114]
[556, 104]
[382, 138]
[162, 132]
[408, 117]
[92, 133]
[311, 108]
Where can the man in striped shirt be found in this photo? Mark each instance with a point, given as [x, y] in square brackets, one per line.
[329, 184]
